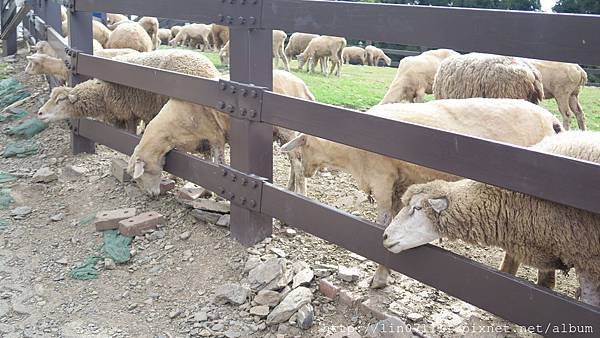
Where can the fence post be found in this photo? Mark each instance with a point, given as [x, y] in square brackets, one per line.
[80, 38]
[251, 142]
[9, 43]
[52, 17]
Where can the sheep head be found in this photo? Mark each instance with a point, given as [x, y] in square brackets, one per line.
[307, 149]
[224, 55]
[34, 64]
[59, 106]
[415, 223]
[146, 173]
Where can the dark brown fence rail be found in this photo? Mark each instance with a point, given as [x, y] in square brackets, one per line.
[561, 37]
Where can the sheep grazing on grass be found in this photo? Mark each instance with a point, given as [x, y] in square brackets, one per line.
[130, 35]
[297, 44]
[112, 18]
[563, 82]
[164, 35]
[512, 121]
[195, 35]
[354, 55]
[538, 232]
[374, 55]
[278, 53]
[220, 36]
[185, 126]
[174, 31]
[487, 75]
[320, 48]
[120, 105]
[150, 25]
[415, 75]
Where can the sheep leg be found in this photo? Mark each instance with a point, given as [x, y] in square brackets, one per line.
[546, 278]
[420, 97]
[509, 264]
[576, 108]
[284, 59]
[292, 178]
[590, 288]
[563, 108]
[382, 274]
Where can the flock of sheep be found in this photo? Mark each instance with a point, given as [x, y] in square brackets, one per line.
[482, 95]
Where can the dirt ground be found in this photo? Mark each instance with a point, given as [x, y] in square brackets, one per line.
[169, 280]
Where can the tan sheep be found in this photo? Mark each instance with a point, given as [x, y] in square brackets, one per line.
[220, 36]
[297, 44]
[323, 47]
[415, 75]
[185, 126]
[43, 47]
[354, 55]
[374, 55]
[563, 82]
[540, 233]
[174, 31]
[278, 49]
[487, 75]
[150, 25]
[112, 18]
[130, 35]
[195, 35]
[164, 34]
[511, 121]
[101, 32]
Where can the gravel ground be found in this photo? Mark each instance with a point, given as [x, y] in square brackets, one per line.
[169, 285]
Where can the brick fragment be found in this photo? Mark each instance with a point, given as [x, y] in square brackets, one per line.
[191, 192]
[138, 225]
[166, 185]
[328, 289]
[349, 298]
[118, 169]
[108, 220]
[368, 307]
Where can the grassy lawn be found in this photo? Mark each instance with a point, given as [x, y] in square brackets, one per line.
[361, 87]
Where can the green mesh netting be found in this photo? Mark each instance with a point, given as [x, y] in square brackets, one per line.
[27, 129]
[5, 199]
[20, 149]
[88, 219]
[86, 270]
[11, 91]
[116, 246]
[13, 116]
[6, 177]
[3, 224]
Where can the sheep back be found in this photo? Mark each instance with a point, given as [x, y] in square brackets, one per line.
[130, 35]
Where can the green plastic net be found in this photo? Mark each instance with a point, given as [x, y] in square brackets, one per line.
[6, 177]
[116, 247]
[5, 199]
[27, 129]
[13, 116]
[11, 91]
[86, 270]
[20, 149]
[3, 224]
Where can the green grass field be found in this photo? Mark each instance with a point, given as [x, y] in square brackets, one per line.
[361, 87]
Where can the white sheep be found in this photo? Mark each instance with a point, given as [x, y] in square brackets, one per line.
[354, 55]
[195, 35]
[415, 75]
[487, 75]
[174, 30]
[164, 35]
[374, 55]
[512, 121]
[130, 35]
[185, 126]
[563, 81]
[101, 33]
[150, 25]
[220, 36]
[540, 233]
[278, 53]
[320, 48]
[112, 18]
[298, 43]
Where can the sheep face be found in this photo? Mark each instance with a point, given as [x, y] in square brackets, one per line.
[59, 105]
[306, 149]
[148, 176]
[34, 65]
[413, 227]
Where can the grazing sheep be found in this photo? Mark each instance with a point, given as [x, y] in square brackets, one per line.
[224, 54]
[220, 36]
[487, 75]
[540, 233]
[164, 34]
[101, 32]
[130, 35]
[374, 55]
[120, 105]
[185, 126]
[150, 25]
[297, 44]
[195, 35]
[414, 77]
[354, 55]
[563, 81]
[512, 121]
[322, 47]
[112, 19]
[175, 30]
[278, 50]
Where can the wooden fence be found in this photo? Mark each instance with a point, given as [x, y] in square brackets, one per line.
[248, 182]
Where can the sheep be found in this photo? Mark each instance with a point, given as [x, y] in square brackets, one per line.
[185, 126]
[43, 47]
[297, 44]
[130, 35]
[278, 53]
[374, 55]
[120, 105]
[563, 81]
[414, 77]
[543, 234]
[101, 32]
[321, 47]
[112, 18]
[354, 55]
[164, 34]
[175, 30]
[487, 75]
[195, 34]
[150, 25]
[220, 36]
[512, 121]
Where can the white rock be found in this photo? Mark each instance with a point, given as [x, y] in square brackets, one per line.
[44, 175]
[267, 297]
[290, 304]
[260, 310]
[224, 221]
[278, 252]
[348, 274]
[305, 316]
[231, 293]
[303, 277]
[414, 316]
[269, 275]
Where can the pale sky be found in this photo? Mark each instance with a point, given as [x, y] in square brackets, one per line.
[547, 5]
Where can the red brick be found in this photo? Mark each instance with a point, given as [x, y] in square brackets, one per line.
[349, 298]
[118, 169]
[328, 289]
[138, 225]
[166, 185]
[108, 220]
[191, 192]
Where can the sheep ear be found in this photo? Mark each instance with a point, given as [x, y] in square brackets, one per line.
[72, 98]
[293, 144]
[138, 170]
[438, 204]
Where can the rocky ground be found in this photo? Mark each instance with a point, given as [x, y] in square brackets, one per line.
[188, 277]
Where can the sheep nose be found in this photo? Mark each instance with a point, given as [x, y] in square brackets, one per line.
[385, 236]
[39, 113]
